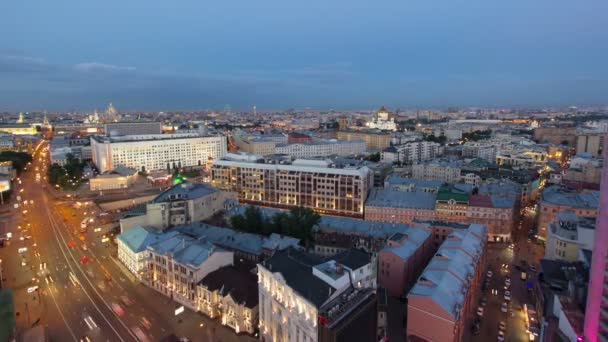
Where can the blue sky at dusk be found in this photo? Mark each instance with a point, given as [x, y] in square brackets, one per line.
[162, 55]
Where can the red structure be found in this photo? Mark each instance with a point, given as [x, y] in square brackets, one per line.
[297, 138]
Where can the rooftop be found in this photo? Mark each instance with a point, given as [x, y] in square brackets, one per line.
[411, 241]
[184, 191]
[562, 196]
[421, 183]
[139, 238]
[417, 199]
[146, 137]
[296, 267]
[229, 280]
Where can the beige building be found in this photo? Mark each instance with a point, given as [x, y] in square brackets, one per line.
[119, 178]
[568, 235]
[230, 295]
[181, 204]
[591, 143]
[177, 264]
[259, 146]
[555, 199]
[373, 140]
[321, 185]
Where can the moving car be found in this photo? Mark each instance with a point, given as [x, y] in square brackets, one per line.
[480, 311]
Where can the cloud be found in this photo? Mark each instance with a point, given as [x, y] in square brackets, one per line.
[101, 67]
[23, 64]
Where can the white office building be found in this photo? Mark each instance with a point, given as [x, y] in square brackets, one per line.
[156, 151]
[296, 289]
[479, 150]
[412, 152]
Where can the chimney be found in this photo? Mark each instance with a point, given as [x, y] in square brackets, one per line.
[339, 268]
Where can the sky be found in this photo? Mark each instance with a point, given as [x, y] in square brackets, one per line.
[323, 54]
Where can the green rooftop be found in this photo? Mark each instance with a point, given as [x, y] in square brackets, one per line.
[447, 193]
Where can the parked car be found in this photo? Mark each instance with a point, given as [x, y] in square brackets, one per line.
[504, 307]
[480, 311]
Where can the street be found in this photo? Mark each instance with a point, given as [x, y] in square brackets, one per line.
[506, 262]
[73, 284]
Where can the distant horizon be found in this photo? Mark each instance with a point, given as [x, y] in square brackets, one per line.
[300, 109]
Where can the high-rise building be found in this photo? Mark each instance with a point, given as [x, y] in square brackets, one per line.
[596, 313]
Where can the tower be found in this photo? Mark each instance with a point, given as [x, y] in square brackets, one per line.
[342, 123]
[596, 313]
[20, 120]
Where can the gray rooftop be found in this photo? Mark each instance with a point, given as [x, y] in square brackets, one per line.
[398, 199]
[562, 196]
[185, 191]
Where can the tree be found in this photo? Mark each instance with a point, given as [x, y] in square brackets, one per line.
[250, 221]
[374, 157]
[19, 159]
[301, 222]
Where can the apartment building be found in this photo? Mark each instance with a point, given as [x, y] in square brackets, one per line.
[438, 170]
[133, 244]
[178, 264]
[590, 142]
[444, 296]
[568, 236]
[403, 259]
[374, 140]
[396, 206]
[321, 185]
[156, 151]
[326, 148]
[495, 206]
[303, 297]
[481, 150]
[182, 203]
[556, 198]
[412, 152]
[132, 128]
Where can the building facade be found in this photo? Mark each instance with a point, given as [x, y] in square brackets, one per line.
[596, 313]
[439, 170]
[183, 203]
[322, 148]
[156, 152]
[317, 184]
[133, 128]
[230, 295]
[555, 199]
[403, 259]
[446, 293]
[297, 291]
[374, 140]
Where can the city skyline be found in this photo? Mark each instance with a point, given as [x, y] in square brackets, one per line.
[67, 55]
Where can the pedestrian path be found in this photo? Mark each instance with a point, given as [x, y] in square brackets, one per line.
[124, 270]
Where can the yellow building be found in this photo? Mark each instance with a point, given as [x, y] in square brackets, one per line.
[18, 129]
[373, 140]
